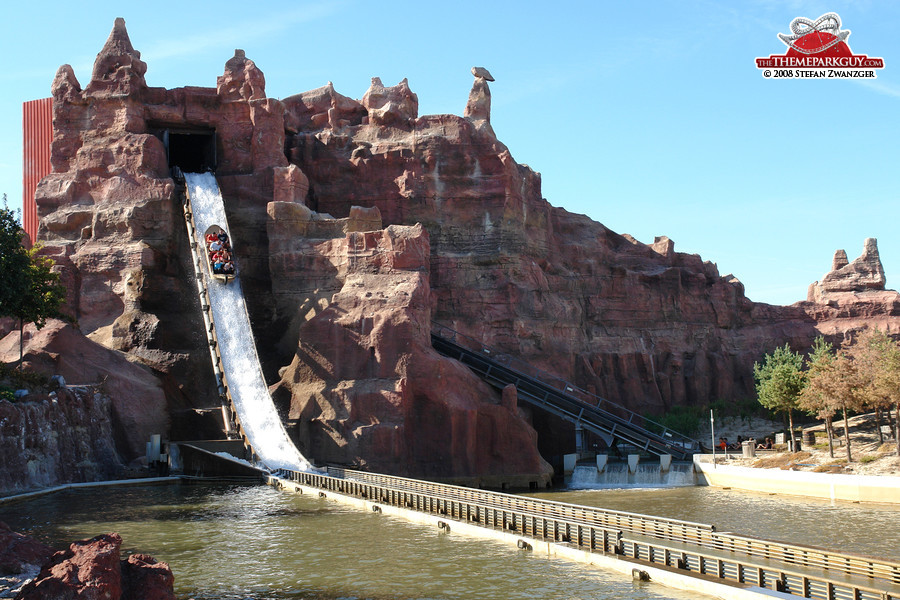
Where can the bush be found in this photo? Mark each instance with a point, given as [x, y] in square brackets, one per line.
[21, 379]
[7, 393]
[680, 419]
[868, 458]
[745, 409]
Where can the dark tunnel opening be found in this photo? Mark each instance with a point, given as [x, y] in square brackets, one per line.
[193, 151]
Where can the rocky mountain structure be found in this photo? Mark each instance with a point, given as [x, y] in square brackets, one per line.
[852, 296]
[358, 224]
[364, 381]
[862, 275]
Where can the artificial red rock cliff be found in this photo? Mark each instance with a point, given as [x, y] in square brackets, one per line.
[469, 242]
[852, 296]
[365, 384]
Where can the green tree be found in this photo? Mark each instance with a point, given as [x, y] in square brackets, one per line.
[29, 288]
[779, 381]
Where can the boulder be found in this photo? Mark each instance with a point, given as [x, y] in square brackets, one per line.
[21, 557]
[94, 570]
[19, 553]
[291, 185]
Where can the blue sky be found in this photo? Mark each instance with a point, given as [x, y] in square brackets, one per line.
[648, 117]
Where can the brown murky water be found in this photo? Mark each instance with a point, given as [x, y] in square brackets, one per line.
[239, 542]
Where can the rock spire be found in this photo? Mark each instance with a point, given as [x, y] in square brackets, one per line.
[118, 69]
[863, 274]
[242, 79]
[478, 108]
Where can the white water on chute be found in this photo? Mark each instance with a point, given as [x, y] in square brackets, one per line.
[237, 347]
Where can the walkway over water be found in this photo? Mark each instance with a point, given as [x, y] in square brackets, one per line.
[654, 544]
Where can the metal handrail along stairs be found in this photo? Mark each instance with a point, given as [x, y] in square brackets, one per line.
[593, 413]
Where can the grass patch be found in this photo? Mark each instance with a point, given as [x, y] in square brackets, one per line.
[745, 409]
[781, 461]
[868, 458]
[829, 468]
[687, 420]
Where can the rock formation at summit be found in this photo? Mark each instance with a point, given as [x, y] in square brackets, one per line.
[852, 296]
[358, 224]
[478, 108]
[863, 274]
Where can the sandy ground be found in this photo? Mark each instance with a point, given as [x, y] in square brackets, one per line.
[869, 456]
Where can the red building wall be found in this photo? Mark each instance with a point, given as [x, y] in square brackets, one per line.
[37, 130]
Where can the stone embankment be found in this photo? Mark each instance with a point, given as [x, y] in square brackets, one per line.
[64, 436]
[851, 488]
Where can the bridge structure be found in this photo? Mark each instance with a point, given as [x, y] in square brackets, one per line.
[681, 554]
[564, 399]
[678, 553]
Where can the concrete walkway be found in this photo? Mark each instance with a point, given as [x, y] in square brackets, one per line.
[851, 488]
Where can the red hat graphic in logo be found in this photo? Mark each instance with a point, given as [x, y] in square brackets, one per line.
[822, 36]
[818, 49]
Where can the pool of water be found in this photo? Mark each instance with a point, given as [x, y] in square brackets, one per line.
[240, 542]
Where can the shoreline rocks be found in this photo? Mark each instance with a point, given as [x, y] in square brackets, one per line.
[90, 569]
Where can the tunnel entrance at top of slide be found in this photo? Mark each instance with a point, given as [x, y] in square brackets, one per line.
[193, 150]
